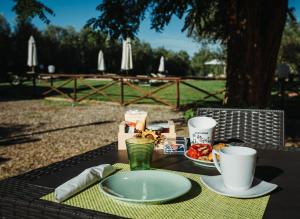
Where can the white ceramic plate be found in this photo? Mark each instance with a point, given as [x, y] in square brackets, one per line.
[203, 163]
[259, 188]
[145, 186]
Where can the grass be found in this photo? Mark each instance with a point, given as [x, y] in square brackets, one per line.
[190, 98]
[187, 95]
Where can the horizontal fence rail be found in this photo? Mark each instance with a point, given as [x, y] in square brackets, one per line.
[57, 83]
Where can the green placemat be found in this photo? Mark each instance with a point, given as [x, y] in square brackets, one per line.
[198, 203]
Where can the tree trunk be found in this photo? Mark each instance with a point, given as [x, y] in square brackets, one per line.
[255, 28]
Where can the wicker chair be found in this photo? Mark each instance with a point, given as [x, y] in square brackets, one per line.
[252, 127]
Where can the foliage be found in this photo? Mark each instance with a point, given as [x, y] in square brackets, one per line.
[5, 44]
[28, 9]
[76, 51]
[249, 29]
[179, 64]
[124, 15]
[190, 113]
[176, 63]
[19, 48]
[290, 46]
[4, 26]
[204, 55]
[122, 18]
[144, 59]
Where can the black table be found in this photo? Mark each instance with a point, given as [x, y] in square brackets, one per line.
[19, 196]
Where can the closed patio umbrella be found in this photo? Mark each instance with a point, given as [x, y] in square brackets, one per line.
[161, 67]
[214, 62]
[126, 63]
[32, 54]
[101, 63]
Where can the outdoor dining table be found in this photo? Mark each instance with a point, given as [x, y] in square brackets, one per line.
[20, 195]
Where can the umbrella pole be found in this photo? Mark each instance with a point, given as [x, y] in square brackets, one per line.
[33, 81]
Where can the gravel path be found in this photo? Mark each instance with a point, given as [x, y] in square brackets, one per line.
[35, 133]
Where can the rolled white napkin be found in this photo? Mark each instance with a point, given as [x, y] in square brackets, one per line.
[82, 181]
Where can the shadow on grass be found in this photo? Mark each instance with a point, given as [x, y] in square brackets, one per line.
[22, 92]
[28, 92]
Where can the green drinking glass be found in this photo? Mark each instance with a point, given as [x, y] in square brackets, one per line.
[139, 151]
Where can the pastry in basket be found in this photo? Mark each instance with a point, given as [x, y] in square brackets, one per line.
[155, 135]
[217, 147]
[203, 151]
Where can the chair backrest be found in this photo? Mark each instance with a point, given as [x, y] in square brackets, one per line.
[256, 128]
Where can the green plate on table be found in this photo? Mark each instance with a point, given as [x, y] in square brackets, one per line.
[145, 186]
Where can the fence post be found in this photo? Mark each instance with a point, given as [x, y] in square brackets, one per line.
[122, 91]
[177, 93]
[75, 90]
[51, 81]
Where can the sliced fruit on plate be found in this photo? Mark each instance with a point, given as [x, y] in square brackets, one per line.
[203, 151]
[199, 150]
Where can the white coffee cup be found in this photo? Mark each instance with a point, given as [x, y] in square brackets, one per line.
[237, 166]
[201, 130]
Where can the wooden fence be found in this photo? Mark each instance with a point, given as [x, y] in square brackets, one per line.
[164, 82]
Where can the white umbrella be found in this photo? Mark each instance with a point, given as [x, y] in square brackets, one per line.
[214, 62]
[126, 63]
[32, 55]
[161, 67]
[218, 63]
[101, 63]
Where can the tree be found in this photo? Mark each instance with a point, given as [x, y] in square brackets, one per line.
[250, 29]
[90, 42]
[178, 64]
[198, 60]
[5, 45]
[28, 9]
[290, 46]
[61, 47]
[143, 57]
[51, 45]
[206, 54]
[20, 37]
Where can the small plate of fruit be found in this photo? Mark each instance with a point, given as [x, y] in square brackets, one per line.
[201, 154]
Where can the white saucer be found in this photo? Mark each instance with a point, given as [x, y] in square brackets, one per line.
[259, 187]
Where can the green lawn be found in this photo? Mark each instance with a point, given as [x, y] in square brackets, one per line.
[187, 95]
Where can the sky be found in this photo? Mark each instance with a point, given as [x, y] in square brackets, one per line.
[76, 12]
